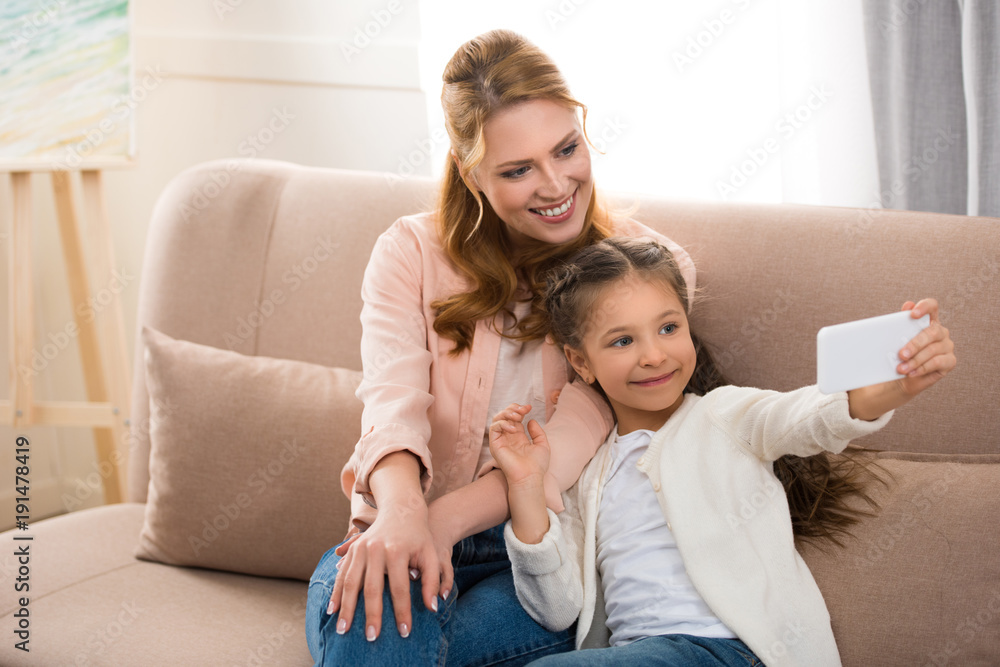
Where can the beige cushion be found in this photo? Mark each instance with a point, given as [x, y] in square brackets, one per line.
[923, 577]
[245, 459]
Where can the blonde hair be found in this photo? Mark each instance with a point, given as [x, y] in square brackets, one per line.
[487, 74]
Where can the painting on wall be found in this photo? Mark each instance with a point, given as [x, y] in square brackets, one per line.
[66, 99]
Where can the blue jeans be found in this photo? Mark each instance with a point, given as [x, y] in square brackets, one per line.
[481, 623]
[675, 650]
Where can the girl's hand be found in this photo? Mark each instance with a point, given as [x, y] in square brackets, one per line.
[927, 358]
[930, 355]
[524, 462]
[522, 459]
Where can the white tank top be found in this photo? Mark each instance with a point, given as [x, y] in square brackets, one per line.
[518, 379]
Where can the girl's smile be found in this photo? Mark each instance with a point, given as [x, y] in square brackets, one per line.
[656, 381]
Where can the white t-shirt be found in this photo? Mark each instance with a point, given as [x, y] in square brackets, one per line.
[518, 379]
[647, 591]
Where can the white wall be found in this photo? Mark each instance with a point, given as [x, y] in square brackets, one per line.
[681, 94]
[208, 76]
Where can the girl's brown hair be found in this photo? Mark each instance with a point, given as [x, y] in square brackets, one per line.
[819, 488]
[487, 74]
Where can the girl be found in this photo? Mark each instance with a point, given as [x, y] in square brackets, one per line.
[453, 330]
[644, 550]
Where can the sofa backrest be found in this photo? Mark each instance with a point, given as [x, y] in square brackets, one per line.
[266, 258]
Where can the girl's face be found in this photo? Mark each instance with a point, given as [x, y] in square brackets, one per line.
[536, 171]
[637, 344]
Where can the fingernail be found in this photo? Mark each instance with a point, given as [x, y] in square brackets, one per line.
[341, 626]
[447, 592]
[434, 604]
[906, 354]
[329, 608]
[371, 633]
[404, 631]
[414, 573]
[904, 368]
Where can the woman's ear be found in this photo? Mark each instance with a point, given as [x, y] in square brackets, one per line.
[579, 363]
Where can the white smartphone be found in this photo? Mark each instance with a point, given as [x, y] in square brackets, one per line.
[863, 352]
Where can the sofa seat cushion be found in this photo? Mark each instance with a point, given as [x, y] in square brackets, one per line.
[923, 576]
[91, 602]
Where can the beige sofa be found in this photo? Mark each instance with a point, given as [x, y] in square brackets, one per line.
[236, 469]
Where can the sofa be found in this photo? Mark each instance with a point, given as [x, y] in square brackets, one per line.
[243, 412]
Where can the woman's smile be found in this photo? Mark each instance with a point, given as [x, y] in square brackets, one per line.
[554, 214]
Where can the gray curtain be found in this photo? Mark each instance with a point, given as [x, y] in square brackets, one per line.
[934, 67]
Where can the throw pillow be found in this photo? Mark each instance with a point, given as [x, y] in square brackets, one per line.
[245, 459]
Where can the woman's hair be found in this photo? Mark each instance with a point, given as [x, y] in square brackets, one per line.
[818, 488]
[488, 74]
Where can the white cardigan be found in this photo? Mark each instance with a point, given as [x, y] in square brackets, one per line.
[711, 467]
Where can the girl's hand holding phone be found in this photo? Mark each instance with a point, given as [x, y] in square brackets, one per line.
[927, 358]
[930, 355]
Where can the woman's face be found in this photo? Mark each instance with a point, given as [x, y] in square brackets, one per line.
[536, 171]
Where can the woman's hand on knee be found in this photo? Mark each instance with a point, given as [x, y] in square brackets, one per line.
[397, 544]
[342, 550]
[443, 530]
[349, 539]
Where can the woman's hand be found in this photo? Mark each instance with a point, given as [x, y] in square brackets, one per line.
[924, 360]
[348, 540]
[398, 544]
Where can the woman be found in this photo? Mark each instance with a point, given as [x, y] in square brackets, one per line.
[453, 332]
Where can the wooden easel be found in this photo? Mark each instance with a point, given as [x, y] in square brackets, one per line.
[107, 384]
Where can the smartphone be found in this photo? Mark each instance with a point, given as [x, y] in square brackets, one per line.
[863, 352]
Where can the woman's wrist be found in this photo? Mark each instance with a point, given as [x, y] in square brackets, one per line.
[395, 485]
[409, 506]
